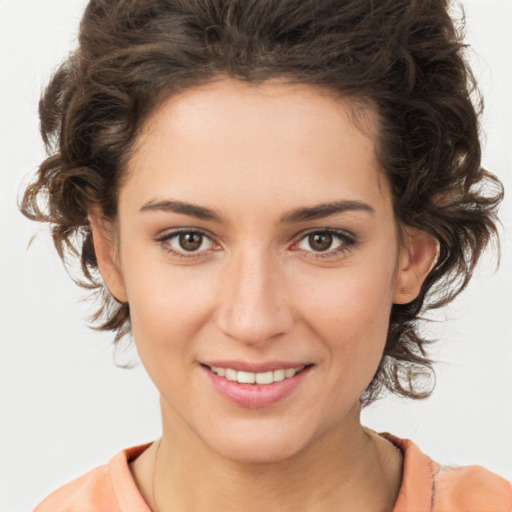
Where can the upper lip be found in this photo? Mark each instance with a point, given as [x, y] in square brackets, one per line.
[261, 367]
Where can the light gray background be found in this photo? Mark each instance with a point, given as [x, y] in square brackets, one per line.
[65, 407]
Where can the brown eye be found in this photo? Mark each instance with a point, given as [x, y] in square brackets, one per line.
[327, 243]
[186, 243]
[190, 241]
[320, 241]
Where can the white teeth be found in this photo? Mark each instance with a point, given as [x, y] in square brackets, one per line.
[264, 378]
[246, 377]
[231, 374]
[279, 375]
[255, 378]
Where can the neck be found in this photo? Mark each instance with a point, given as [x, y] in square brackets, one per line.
[348, 468]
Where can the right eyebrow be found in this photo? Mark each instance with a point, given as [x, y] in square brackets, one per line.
[323, 210]
[190, 209]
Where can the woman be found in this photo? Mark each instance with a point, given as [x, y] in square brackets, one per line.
[267, 195]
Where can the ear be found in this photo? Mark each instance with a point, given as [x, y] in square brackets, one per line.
[418, 255]
[106, 254]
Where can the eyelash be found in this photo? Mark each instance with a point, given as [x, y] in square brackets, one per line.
[348, 242]
[165, 242]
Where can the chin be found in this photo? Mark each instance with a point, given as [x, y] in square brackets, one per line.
[262, 444]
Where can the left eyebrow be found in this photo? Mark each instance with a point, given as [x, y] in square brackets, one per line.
[325, 210]
[192, 210]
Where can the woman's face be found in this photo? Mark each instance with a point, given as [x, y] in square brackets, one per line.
[256, 234]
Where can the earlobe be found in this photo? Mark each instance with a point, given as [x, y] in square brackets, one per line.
[106, 255]
[418, 256]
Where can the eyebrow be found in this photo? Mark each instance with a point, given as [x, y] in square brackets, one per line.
[325, 210]
[298, 215]
[192, 210]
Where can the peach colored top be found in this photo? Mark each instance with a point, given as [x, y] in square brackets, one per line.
[426, 486]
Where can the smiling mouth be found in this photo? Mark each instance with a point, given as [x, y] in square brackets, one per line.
[256, 378]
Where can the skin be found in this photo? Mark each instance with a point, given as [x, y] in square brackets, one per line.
[259, 290]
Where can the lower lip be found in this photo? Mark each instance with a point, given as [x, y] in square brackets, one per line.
[254, 396]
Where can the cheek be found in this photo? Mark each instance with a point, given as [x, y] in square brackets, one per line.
[359, 289]
[353, 326]
[168, 306]
[349, 309]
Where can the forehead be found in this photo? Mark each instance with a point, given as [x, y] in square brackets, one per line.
[226, 96]
[257, 141]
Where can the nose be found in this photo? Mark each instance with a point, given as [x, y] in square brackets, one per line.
[252, 307]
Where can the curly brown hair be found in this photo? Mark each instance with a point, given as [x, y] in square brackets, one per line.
[403, 59]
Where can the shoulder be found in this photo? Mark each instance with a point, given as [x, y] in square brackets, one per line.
[430, 486]
[470, 489]
[92, 491]
[109, 487]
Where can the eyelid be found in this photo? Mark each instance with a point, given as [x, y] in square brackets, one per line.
[166, 236]
[341, 233]
[348, 239]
